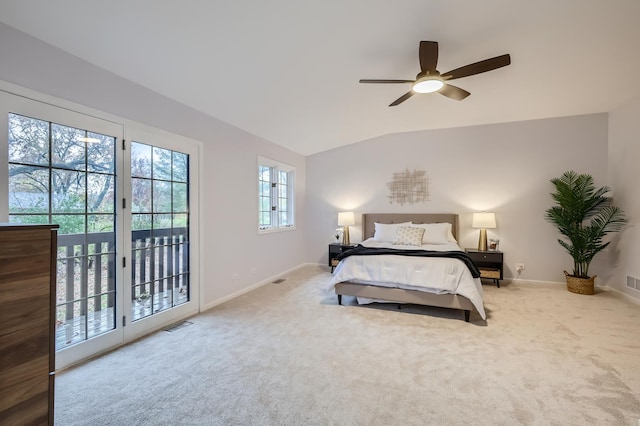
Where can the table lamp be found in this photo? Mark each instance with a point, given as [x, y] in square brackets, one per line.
[345, 219]
[483, 221]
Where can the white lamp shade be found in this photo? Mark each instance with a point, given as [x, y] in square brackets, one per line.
[484, 220]
[346, 219]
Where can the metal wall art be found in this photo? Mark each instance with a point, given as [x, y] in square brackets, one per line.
[409, 187]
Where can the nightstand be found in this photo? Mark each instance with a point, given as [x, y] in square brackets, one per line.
[490, 263]
[334, 250]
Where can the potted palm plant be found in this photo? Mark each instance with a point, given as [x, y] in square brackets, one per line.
[584, 215]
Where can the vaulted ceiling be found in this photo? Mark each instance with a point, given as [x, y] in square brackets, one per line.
[288, 70]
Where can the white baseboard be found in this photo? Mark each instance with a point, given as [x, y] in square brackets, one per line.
[602, 287]
[245, 290]
[627, 296]
[515, 281]
[536, 282]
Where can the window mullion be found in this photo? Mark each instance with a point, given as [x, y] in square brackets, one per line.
[274, 198]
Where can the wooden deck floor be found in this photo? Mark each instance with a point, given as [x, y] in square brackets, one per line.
[81, 328]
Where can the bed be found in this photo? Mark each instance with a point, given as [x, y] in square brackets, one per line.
[388, 277]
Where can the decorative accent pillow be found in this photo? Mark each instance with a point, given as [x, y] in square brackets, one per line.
[409, 236]
[435, 233]
[386, 232]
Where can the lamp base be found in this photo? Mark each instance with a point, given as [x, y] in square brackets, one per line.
[482, 242]
[345, 237]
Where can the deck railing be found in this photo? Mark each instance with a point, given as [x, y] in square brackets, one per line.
[161, 256]
[86, 291]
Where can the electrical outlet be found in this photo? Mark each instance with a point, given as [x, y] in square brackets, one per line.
[520, 267]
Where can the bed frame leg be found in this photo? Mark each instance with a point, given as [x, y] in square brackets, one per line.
[339, 299]
[466, 315]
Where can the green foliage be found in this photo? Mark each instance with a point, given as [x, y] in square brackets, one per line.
[584, 215]
[56, 177]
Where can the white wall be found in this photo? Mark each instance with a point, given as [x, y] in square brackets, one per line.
[230, 218]
[624, 176]
[228, 228]
[503, 168]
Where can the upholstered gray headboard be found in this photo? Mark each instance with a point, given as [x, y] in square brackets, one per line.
[368, 220]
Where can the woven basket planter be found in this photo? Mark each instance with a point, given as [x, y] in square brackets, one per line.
[580, 285]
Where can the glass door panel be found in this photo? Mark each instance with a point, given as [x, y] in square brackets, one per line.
[159, 230]
[65, 175]
[60, 167]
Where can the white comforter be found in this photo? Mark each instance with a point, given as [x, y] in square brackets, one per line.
[430, 274]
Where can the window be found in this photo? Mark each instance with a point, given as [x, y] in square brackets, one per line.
[275, 196]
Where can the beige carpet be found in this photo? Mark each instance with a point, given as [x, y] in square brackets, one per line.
[287, 354]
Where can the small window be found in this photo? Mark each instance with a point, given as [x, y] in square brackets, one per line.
[275, 196]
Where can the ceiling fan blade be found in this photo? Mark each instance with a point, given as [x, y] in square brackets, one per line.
[402, 98]
[386, 81]
[454, 92]
[478, 67]
[428, 55]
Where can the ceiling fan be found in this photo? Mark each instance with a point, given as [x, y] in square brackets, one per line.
[430, 80]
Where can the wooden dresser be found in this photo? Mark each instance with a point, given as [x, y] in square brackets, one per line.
[27, 323]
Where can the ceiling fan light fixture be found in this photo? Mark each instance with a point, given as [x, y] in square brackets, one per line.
[428, 85]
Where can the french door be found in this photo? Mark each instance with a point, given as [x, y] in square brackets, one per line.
[161, 229]
[124, 246]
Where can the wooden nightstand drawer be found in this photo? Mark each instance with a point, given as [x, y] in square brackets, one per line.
[490, 273]
[485, 256]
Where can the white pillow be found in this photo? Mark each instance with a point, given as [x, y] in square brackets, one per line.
[450, 236]
[436, 233]
[409, 236]
[386, 232]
